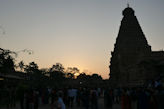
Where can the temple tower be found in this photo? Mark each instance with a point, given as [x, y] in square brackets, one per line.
[131, 46]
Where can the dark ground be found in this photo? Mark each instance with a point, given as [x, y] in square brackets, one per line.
[101, 106]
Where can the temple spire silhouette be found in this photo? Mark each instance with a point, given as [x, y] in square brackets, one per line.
[130, 49]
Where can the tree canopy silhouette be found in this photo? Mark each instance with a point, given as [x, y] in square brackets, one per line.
[6, 61]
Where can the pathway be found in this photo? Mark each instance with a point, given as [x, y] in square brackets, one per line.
[101, 106]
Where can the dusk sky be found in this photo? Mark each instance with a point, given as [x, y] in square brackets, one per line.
[76, 33]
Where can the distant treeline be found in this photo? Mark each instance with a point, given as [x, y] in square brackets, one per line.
[56, 76]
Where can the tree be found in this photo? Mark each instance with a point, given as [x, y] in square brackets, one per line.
[56, 75]
[70, 75]
[31, 68]
[57, 67]
[83, 77]
[37, 78]
[45, 71]
[7, 61]
[57, 71]
[72, 72]
[96, 77]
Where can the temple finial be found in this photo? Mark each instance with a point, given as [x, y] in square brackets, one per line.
[127, 4]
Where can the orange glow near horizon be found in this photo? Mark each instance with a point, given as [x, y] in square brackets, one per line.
[84, 62]
[88, 68]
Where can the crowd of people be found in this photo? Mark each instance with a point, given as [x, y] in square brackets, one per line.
[150, 97]
[60, 98]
